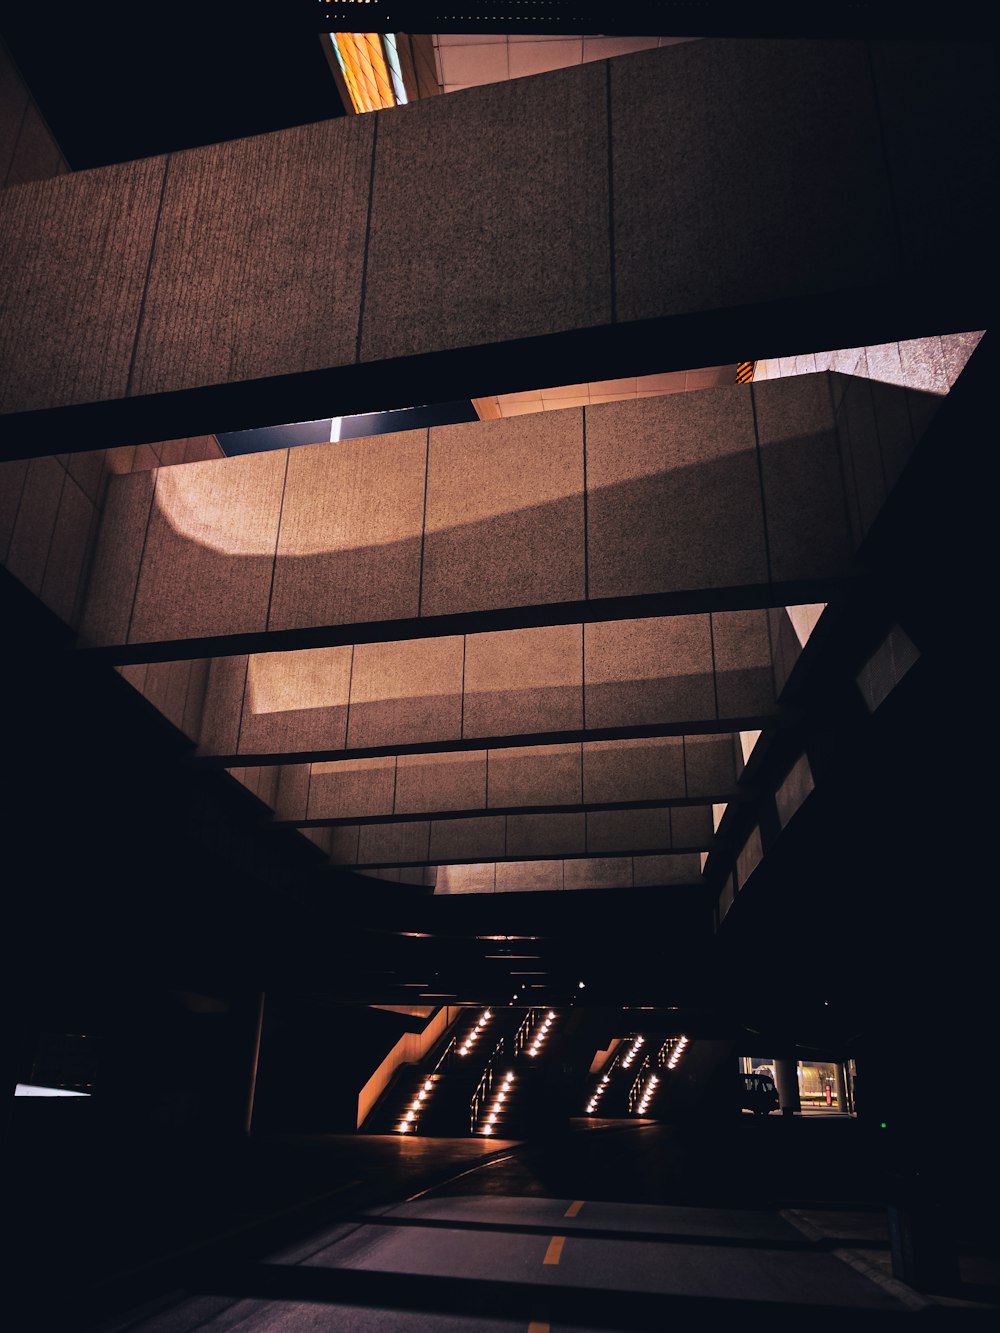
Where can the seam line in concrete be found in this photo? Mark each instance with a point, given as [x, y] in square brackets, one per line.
[368, 230]
[149, 272]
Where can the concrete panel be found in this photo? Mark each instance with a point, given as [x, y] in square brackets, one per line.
[393, 842]
[529, 876]
[497, 203]
[673, 494]
[351, 520]
[220, 719]
[691, 826]
[598, 872]
[702, 223]
[652, 871]
[406, 692]
[858, 434]
[793, 790]
[649, 671]
[12, 478]
[37, 156]
[115, 571]
[465, 879]
[210, 548]
[804, 490]
[709, 766]
[75, 528]
[535, 775]
[895, 429]
[526, 680]
[633, 770]
[744, 683]
[627, 830]
[73, 259]
[504, 514]
[194, 702]
[937, 103]
[351, 788]
[342, 843]
[440, 782]
[467, 839]
[546, 835]
[87, 470]
[259, 252]
[296, 701]
[35, 523]
[293, 791]
[166, 689]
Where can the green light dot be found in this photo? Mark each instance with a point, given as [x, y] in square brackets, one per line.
[884, 1125]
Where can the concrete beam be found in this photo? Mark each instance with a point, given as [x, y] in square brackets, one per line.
[734, 497]
[654, 772]
[591, 222]
[555, 684]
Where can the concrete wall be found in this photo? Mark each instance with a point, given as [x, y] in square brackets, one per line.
[411, 1048]
[680, 673]
[528, 215]
[51, 507]
[664, 768]
[731, 494]
[930, 364]
[28, 150]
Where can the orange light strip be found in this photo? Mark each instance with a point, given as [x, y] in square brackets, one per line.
[366, 73]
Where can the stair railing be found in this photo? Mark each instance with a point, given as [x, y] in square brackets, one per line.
[483, 1087]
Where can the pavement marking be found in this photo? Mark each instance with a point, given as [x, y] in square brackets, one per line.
[905, 1294]
[538, 1325]
[574, 1208]
[554, 1253]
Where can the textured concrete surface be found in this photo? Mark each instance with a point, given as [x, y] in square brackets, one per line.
[691, 826]
[115, 570]
[528, 876]
[804, 486]
[351, 521]
[406, 692]
[673, 494]
[546, 835]
[259, 253]
[504, 514]
[649, 671]
[293, 791]
[709, 765]
[35, 523]
[209, 548]
[509, 183]
[440, 781]
[351, 788]
[219, 732]
[296, 701]
[480, 839]
[743, 680]
[535, 775]
[715, 225]
[680, 868]
[394, 842]
[66, 564]
[628, 830]
[523, 681]
[73, 257]
[634, 770]
[611, 872]
[793, 789]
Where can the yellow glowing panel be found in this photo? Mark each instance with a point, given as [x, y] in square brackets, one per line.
[366, 74]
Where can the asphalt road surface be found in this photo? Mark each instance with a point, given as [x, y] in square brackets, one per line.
[499, 1250]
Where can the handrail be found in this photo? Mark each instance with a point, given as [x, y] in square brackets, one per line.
[633, 1095]
[483, 1087]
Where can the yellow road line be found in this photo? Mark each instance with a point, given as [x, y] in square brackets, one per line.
[554, 1253]
[538, 1326]
[574, 1208]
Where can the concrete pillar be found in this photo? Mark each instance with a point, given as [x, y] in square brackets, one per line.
[841, 1089]
[786, 1078]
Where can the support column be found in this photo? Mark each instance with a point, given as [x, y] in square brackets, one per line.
[841, 1089]
[786, 1077]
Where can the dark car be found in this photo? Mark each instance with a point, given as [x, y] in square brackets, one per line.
[758, 1093]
